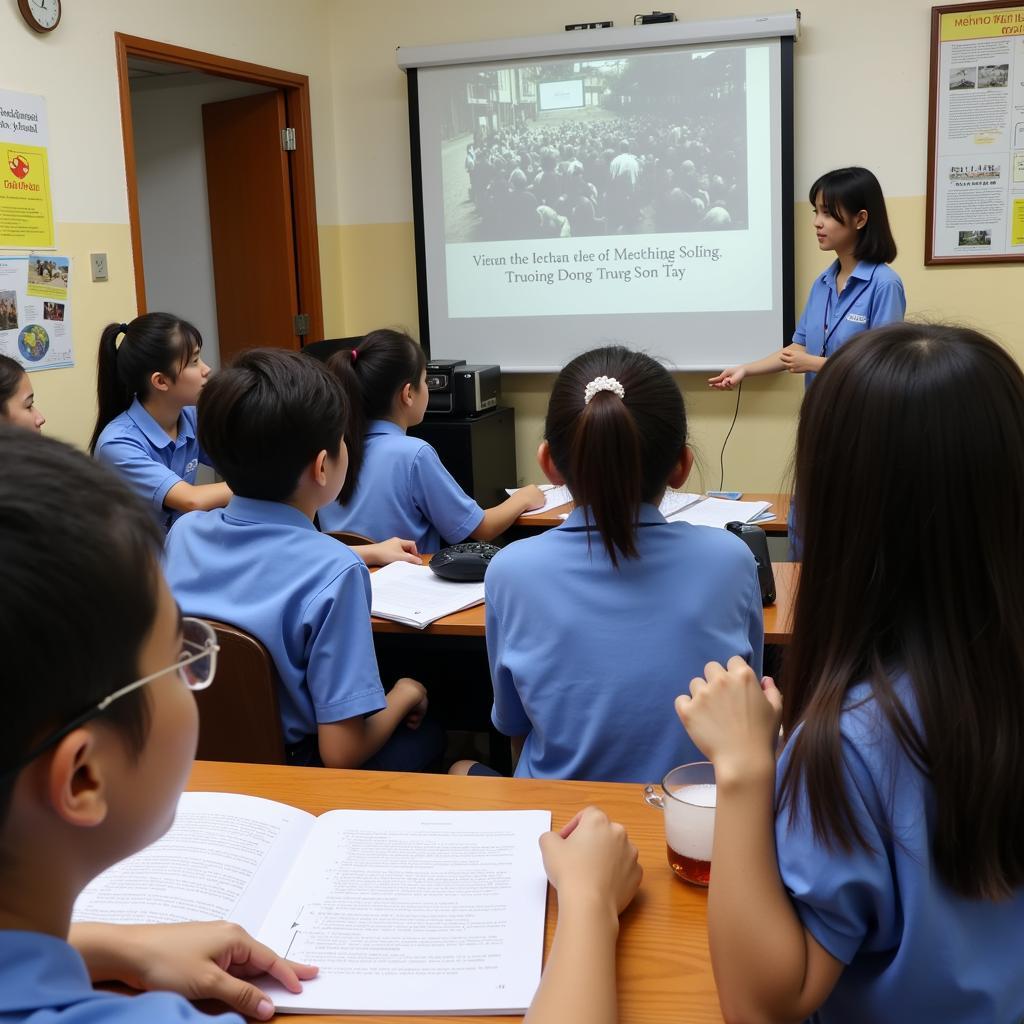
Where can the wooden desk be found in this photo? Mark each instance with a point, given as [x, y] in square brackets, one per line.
[664, 968]
[773, 527]
[470, 623]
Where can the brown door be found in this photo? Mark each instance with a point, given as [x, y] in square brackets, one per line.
[251, 228]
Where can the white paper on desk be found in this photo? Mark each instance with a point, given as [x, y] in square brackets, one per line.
[415, 912]
[553, 497]
[719, 511]
[676, 501]
[414, 596]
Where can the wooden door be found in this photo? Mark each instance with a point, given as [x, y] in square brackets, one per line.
[251, 227]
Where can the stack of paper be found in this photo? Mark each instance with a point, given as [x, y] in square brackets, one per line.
[414, 596]
[719, 511]
[553, 497]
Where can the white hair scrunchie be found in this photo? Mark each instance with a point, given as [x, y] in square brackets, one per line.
[602, 384]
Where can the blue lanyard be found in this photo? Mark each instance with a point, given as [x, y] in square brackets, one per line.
[828, 316]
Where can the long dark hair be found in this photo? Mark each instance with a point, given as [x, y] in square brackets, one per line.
[847, 191]
[152, 343]
[11, 372]
[910, 490]
[615, 453]
[372, 374]
[72, 536]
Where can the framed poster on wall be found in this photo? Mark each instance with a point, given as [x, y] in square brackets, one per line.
[975, 210]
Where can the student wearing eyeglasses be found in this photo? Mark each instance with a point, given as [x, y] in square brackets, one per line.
[96, 744]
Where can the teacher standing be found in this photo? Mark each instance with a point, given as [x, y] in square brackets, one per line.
[857, 292]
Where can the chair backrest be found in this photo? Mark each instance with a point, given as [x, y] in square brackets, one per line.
[323, 350]
[239, 717]
[350, 538]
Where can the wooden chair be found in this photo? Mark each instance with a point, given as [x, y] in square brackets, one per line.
[239, 717]
[350, 538]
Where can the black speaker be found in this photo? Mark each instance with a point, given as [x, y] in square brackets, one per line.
[479, 451]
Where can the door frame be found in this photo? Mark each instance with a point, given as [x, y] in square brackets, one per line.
[296, 97]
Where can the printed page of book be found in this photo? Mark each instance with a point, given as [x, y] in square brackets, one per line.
[415, 596]
[415, 912]
[224, 857]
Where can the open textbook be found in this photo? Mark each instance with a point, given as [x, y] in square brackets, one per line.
[554, 496]
[414, 596]
[402, 911]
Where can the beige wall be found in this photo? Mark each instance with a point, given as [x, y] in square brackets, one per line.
[861, 97]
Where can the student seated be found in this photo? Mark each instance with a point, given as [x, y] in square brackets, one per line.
[95, 751]
[876, 872]
[591, 625]
[17, 396]
[274, 424]
[146, 428]
[396, 484]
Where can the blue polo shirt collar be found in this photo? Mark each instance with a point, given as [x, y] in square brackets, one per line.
[864, 271]
[275, 513]
[40, 971]
[384, 427]
[649, 516]
[155, 434]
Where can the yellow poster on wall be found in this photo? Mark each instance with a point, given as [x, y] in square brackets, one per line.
[26, 203]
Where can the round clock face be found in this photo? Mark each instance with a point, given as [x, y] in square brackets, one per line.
[44, 13]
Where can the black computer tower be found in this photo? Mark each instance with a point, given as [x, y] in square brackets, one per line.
[479, 451]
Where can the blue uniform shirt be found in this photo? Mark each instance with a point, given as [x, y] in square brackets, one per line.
[404, 491]
[139, 449]
[44, 980]
[873, 296]
[914, 950]
[262, 566]
[586, 660]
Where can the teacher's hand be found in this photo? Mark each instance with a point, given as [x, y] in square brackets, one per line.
[728, 379]
[796, 360]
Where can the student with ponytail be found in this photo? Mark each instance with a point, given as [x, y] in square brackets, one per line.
[17, 399]
[590, 626]
[396, 484]
[146, 428]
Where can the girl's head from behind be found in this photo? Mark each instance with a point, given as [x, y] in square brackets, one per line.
[157, 354]
[852, 197]
[615, 453]
[84, 611]
[385, 379]
[910, 486]
[17, 398]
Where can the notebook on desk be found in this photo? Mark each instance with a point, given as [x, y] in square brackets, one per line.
[414, 596]
[719, 511]
[556, 495]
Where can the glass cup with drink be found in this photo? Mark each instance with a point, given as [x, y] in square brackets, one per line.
[687, 798]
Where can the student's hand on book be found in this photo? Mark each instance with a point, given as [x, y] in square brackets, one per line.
[796, 360]
[200, 960]
[591, 858]
[532, 496]
[727, 379]
[415, 693]
[734, 719]
[388, 551]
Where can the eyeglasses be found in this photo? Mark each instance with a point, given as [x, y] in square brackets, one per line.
[196, 667]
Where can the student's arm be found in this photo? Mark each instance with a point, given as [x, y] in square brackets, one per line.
[196, 960]
[767, 966]
[888, 304]
[388, 551]
[593, 867]
[498, 519]
[350, 743]
[186, 497]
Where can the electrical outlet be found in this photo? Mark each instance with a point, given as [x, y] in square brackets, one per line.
[98, 263]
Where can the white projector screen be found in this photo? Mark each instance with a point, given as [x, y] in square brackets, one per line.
[634, 195]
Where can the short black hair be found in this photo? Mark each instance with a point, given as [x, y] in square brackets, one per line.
[11, 372]
[266, 417]
[849, 190]
[80, 556]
